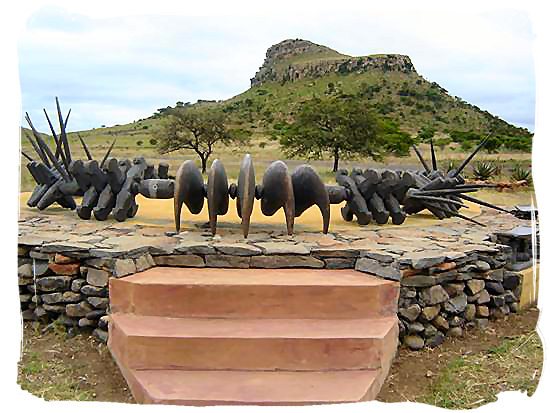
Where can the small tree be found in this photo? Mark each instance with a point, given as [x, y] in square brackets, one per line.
[197, 129]
[340, 126]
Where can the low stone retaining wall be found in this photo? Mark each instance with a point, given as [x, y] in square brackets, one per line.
[453, 275]
[442, 298]
[442, 292]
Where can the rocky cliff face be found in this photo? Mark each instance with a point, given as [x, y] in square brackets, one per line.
[294, 59]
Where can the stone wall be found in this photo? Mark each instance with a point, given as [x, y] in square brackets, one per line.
[442, 292]
[441, 299]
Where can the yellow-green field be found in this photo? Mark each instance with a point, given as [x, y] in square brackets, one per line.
[263, 151]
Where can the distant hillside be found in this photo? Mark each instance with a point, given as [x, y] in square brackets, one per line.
[296, 70]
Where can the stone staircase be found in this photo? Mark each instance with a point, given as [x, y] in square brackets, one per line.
[208, 336]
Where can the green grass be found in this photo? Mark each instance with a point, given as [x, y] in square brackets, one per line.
[469, 381]
[50, 379]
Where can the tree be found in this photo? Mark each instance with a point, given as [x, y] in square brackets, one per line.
[199, 130]
[342, 126]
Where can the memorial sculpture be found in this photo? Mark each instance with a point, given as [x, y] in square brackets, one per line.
[111, 186]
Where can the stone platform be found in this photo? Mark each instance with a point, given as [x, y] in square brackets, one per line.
[59, 230]
[452, 274]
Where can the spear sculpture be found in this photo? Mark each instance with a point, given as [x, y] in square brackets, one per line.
[110, 186]
[451, 188]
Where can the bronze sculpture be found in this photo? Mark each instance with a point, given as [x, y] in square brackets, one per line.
[110, 187]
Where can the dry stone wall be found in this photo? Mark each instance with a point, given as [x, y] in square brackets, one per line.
[442, 292]
[442, 299]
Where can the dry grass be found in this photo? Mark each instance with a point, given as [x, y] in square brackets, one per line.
[472, 380]
[54, 366]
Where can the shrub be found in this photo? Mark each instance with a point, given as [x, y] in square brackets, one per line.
[451, 165]
[521, 174]
[442, 142]
[153, 141]
[483, 170]
[139, 143]
[426, 133]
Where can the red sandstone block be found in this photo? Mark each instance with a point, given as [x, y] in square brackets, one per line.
[62, 259]
[409, 272]
[64, 269]
[254, 293]
[142, 342]
[202, 388]
[444, 266]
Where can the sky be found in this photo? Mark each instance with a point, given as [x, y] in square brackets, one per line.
[116, 68]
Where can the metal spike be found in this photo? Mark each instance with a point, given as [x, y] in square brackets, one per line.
[67, 118]
[456, 214]
[88, 154]
[107, 154]
[50, 155]
[422, 161]
[469, 158]
[434, 161]
[483, 203]
[26, 156]
[438, 199]
[36, 145]
[63, 132]
[446, 191]
[57, 152]
[58, 145]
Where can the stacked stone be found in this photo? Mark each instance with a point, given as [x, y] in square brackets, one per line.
[59, 288]
[442, 292]
[441, 298]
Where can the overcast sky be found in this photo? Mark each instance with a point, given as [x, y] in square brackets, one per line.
[120, 68]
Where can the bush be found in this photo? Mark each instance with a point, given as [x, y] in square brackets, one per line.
[521, 174]
[451, 165]
[153, 142]
[442, 142]
[139, 143]
[144, 127]
[396, 141]
[484, 170]
[425, 134]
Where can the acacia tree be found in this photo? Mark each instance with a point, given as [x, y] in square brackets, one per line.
[197, 129]
[340, 126]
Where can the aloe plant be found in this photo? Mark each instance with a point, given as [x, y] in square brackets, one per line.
[484, 170]
[451, 165]
[521, 174]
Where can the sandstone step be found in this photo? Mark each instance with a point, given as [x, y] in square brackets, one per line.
[199, 388]
[254, 293]
[148, 342]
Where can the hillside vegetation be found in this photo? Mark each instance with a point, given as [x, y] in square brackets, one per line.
[296, 71]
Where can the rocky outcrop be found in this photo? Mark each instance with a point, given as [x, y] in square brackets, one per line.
[282, 62]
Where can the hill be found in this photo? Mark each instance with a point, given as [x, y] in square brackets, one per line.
[296, 70]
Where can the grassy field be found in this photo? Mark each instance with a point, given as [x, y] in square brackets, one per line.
[262, 149]
[470, 371]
